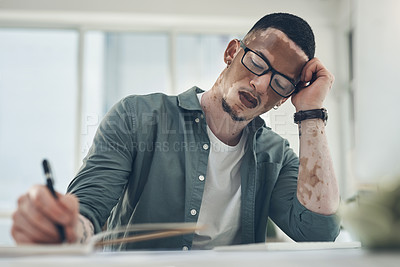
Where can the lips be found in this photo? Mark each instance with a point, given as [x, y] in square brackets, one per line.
[248, 99]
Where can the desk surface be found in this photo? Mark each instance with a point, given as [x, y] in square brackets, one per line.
[330, 257]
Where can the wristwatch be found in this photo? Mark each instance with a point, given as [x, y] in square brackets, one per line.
[302, 115]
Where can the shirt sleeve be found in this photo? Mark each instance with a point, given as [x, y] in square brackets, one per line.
[290, 215]
[105, 170]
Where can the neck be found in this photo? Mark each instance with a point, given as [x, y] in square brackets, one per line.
[221, 124]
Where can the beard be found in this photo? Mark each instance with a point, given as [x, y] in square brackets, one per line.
[230, 111]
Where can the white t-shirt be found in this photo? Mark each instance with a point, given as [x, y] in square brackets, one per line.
[220, 206]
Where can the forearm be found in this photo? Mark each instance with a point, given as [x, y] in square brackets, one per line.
[85, 229]
[317, 187]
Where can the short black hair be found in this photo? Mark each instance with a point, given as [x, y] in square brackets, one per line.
[296, 28]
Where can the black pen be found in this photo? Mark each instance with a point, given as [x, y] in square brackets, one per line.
[49, 183]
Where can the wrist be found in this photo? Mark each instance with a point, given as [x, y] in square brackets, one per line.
[85, 229]
[308, 107]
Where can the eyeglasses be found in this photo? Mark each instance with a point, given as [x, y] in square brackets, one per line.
[258, 65]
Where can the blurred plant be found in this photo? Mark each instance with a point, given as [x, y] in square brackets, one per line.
[374, 217]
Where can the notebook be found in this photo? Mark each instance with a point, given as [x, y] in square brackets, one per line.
[151, 231]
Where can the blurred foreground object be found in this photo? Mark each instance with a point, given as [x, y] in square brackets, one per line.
[374, 217]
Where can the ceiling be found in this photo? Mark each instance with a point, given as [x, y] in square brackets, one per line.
[222, 14]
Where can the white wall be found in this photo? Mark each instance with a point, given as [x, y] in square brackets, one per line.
[377, 32]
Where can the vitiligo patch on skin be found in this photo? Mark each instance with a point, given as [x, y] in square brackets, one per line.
[291, 45]
[278, 44]
[312, 179]
[276, 34]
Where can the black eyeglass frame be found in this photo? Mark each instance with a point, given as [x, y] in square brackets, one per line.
[270, 69]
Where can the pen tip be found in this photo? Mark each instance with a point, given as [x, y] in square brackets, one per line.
[46, 166]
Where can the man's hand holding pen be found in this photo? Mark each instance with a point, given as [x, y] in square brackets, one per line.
[39, 212]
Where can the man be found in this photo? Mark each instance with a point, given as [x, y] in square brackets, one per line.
[207, 157]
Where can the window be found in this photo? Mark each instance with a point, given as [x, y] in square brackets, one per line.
[199, 59]
[121, 64]
[117, 65]
[37, 110]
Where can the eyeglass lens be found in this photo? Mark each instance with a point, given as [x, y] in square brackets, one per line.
[258, 66]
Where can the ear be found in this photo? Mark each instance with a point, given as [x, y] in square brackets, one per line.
[231, 51]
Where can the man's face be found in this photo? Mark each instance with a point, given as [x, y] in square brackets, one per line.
[246, 95]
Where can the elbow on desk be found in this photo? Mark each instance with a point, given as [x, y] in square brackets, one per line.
[325, 229]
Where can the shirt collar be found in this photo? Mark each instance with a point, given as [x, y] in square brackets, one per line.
[188, 100]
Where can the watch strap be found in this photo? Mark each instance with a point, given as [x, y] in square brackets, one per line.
[302, 115]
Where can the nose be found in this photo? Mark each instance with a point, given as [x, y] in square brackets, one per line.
[261, 82]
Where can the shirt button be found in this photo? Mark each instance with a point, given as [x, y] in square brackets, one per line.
[202, 116]
[185, 248]
[201, 178]
[205, 146]
[193, 212]
[197, 120]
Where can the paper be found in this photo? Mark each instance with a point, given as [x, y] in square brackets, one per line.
[153, 231]
[39, 250]
[276, 246]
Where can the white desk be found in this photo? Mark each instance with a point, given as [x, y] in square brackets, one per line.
[319, 258]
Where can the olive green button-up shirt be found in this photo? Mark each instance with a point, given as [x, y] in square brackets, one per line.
[145, 165]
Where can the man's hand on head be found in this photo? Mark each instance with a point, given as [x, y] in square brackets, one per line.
[315, 83]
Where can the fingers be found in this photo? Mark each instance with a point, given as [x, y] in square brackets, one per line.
[309, 69]
[314, 70]
[70, 233]
[25, 232]
[36, 219]
[37, 214]
[315, 83]
[71, 204]
[43, 200]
